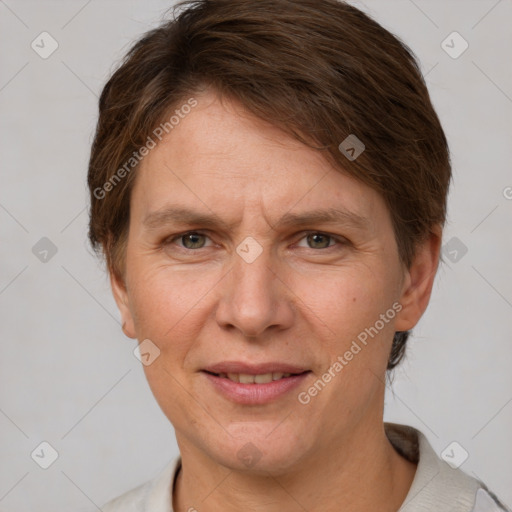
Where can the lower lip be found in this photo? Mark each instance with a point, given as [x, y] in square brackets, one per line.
[253, 394]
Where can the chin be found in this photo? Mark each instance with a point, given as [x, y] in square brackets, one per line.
[257, 449]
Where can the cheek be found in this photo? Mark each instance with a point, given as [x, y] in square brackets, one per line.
[346, 301]
[161, 296]
[168, 308]
[348, 310]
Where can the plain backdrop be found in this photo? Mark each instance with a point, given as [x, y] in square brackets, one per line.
[69, 376]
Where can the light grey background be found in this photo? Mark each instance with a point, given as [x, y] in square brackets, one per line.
[68, 374]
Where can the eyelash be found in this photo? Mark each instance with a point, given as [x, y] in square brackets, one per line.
[340, 240]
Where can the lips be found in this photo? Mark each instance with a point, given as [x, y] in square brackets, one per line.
[254, 383]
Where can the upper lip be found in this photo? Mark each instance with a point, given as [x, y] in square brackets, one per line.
[254, 369]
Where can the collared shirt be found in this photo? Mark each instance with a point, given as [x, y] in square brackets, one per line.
[436, 486]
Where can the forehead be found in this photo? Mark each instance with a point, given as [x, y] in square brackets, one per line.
[221, 158]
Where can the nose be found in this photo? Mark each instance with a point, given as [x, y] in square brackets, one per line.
[254, 297]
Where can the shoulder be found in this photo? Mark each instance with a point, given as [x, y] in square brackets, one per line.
[153, 495]
[486, 501]
[131, 501]
[438, 485]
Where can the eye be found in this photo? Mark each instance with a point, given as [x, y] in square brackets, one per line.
[193, 240]
[190, 240]
[318, 240]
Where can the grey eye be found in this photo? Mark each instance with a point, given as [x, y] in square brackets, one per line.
[193, 240]
[318, 240]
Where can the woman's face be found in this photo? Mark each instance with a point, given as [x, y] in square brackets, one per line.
[287, 263]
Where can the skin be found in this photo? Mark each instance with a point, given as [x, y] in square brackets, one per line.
[302, 301]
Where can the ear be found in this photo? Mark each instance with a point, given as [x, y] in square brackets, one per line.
[120, 293]
[418, 282]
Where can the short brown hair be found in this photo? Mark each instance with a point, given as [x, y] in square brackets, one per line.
[319, 69]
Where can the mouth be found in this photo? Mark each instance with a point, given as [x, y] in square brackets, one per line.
[254, 384]
[262, 378]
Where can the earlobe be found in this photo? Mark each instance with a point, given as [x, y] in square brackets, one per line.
[120, 293]
[419, 281]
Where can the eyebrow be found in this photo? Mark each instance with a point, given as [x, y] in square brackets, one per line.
[181, 215]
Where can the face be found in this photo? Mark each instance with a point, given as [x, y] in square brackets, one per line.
[256, 268]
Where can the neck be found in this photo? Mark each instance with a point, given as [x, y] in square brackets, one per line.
[363, 472]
